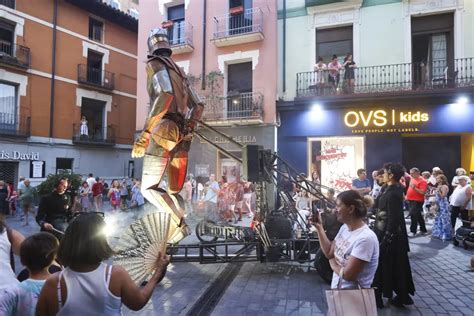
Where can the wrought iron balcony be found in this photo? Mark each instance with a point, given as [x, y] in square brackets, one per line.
[407, 78]
[8, 3]
[104, 136]
[181, 37]
[238, 28]
[239, 107]
[15, 125]
[15, 55]
[95, 77]
[310, 3]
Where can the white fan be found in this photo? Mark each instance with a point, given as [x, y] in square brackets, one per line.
[138, 248]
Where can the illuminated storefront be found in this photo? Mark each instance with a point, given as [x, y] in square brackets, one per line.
[336, 141]
[206, 159]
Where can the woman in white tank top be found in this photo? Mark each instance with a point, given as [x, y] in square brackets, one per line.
[88, 286]
[7, 275]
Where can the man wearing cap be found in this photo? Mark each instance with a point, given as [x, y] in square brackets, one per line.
[166, 138]
[416, 197]
[461, 201]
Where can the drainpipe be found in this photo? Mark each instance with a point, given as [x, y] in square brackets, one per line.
[203, 70]
[53, 69]
[284, 46]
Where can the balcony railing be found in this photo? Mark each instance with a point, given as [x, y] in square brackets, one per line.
[8, 3]
[14, 54]
[234, 107]
[15, 125]
[414, 77]
[95, 77]
[100, 136]
[181, 33]
[249, 21]
[310, 3]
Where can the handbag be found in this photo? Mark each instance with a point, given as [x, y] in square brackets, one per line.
[351, 302]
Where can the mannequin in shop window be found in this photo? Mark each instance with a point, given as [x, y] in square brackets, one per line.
[84, 129]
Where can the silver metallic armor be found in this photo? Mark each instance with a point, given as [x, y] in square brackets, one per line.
[166, 137]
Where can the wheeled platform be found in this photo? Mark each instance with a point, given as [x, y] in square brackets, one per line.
[240, 251]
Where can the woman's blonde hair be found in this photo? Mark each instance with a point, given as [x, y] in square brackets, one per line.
[361, 203]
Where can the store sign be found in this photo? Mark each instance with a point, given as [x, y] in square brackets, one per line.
[201, 170]
[385, 121]
[240, 139]
[18, 155]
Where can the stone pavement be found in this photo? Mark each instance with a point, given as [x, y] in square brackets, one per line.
[444, 285]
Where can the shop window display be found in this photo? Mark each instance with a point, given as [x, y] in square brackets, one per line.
[336, 159]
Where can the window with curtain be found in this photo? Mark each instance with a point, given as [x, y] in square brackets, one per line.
[176, 32]
[439, 54]
[8, 107]
[239, 89]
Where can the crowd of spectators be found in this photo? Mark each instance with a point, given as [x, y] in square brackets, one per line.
[224, 200]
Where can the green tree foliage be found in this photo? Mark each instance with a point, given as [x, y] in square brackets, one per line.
[49, 184]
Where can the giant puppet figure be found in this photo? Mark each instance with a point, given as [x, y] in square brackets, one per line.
[166, 137]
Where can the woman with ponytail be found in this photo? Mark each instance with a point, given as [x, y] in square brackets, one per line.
[354, 253]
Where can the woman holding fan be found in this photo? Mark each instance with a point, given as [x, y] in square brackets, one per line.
[97, 288]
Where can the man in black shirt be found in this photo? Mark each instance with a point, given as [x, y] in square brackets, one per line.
[53, 210]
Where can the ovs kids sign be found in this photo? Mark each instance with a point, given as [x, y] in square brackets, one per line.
[385, 121]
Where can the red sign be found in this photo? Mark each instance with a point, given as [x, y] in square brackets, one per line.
[334, 153]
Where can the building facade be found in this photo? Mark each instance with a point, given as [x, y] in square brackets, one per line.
[229, 51]
[408, 99]
[62, 61]
[128, 6]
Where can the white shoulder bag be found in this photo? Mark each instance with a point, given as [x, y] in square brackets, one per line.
[351, 302]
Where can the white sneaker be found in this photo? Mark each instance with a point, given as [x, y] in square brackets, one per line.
[411, 235]
[250, 215]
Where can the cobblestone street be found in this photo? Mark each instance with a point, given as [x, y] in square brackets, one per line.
[444, 284]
